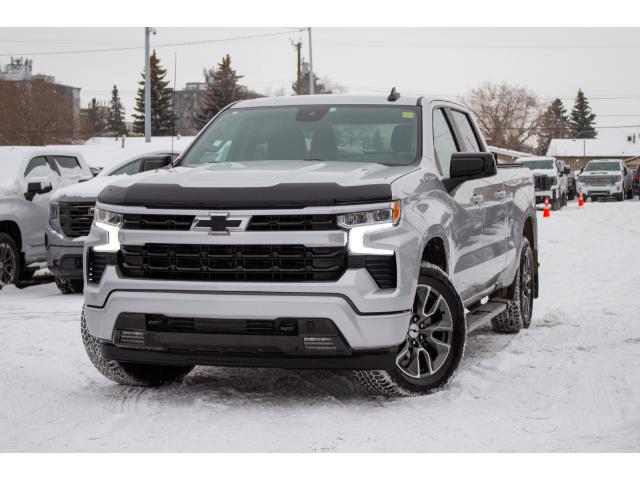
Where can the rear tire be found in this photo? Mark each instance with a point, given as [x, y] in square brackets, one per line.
[519, 295]
[68, 286]
[133, 374]
[10, 262]
[429, 356]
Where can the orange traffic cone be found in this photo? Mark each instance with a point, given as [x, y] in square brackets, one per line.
[580, 200]
[547, 210]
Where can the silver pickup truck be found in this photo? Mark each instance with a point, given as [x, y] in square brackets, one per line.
[28, 177]
[368, 233]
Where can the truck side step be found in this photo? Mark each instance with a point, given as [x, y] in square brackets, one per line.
[485, 312]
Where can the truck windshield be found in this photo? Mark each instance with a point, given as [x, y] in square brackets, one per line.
[537, 164]
[332, 133]
[606, 166]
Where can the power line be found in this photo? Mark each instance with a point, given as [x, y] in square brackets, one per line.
[140, 47]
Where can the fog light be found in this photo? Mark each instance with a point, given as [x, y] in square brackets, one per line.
[134, 337]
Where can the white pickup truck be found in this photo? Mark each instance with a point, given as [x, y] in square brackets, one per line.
[29, 175]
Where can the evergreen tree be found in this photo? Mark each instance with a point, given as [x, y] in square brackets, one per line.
[319, 87]
[115, 118]
[162, 116]
[222, 89]
[95, 118]
[554, 123]
[582, 121]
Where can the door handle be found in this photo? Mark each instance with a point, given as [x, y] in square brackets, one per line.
[501, 195]
[476, 198]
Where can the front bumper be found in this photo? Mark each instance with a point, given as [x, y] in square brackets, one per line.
[64, 255]
[599, 190]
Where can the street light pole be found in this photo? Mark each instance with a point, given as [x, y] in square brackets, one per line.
[311, 80]
[147, 84]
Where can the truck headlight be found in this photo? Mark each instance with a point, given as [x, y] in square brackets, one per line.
[109, 222]
[360, 224]
[389, 215]
[105, 216]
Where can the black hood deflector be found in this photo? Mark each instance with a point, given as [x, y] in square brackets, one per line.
[285, 195]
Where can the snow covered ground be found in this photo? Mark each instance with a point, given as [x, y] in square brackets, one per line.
[569, 383]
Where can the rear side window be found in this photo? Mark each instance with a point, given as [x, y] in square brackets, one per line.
[443, 141]
[66, 164]
[37, 166]
[463, 122]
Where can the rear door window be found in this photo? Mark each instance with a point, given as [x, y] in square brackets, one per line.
[469, 137]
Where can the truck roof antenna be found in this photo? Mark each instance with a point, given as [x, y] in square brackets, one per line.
[393, 96]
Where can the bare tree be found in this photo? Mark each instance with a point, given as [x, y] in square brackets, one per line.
[34, 113]
[507, 115]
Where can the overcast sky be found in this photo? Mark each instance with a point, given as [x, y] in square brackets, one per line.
[605, 63]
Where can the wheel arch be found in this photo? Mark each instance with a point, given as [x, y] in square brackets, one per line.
[12, 229]
[436, 251]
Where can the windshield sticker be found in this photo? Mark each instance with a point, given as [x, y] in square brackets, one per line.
[408, 114]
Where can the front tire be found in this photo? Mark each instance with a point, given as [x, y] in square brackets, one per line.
[133, 374]
[10, 265]
[434, 345]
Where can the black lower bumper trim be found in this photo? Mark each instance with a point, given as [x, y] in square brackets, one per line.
[379, 359]
[68, 266]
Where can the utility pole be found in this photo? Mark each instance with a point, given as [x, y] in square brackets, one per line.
[298, 47]
[311, 79]
[147, 84]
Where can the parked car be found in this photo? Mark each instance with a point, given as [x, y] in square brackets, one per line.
[551, 179]
[71, 215]
[636, 181]
[605, 178]
[29, 176]
[334, 232]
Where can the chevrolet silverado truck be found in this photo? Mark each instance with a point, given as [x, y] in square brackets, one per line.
[29, 176]
[71, 215]
[551, 179]
[605, 178]
[335, 232]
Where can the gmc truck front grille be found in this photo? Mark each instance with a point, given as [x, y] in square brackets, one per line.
[599, 180]
[76, 218]
[542, 182]
[233, 263]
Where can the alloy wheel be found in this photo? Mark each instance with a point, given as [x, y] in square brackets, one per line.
[429, 337]
[527, 287]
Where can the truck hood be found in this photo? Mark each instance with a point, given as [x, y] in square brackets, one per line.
[85, 191]
[257, 184]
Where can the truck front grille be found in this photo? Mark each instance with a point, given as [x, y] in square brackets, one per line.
[233, 263]
[292, 222]
[542, 182]
[76, 218]
[157, 222]
[602, 180]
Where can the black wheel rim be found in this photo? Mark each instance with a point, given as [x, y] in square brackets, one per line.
[430, 334]
[527, 287]
[7, 264]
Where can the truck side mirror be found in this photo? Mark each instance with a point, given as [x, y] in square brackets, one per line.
[470, 165]
[154, 162]
[566, 170]
[37, 187]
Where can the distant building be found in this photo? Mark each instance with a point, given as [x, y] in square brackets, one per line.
[21, 70]
[186, 105]
[578, 152]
